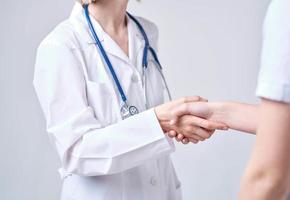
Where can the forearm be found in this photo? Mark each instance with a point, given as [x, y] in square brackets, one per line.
[238, 116]
[88, 148]
[268, 173]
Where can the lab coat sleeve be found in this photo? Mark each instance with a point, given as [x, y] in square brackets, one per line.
[85, 147]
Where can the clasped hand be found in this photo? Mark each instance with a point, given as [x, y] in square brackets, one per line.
[187, 123]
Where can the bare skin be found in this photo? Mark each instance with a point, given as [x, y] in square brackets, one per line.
[267, 176]
[111, 14]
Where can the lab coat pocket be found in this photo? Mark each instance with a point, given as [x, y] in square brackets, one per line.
[100, 98]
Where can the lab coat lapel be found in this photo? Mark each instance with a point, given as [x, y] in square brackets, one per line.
[134, 64]
[136, 44]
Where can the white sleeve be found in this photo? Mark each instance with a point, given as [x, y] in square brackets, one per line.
[274, 78]
[84, 146]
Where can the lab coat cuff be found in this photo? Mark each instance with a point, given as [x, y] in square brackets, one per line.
[155, 121]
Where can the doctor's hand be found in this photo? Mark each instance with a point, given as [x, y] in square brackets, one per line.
[191, 128]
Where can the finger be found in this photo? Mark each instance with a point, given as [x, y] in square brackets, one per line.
[203, 133]
[209, 125]
[203, 99]
[197, 137]
[172, 134]
[193, 140]
[196, 132]
[185, 141]
[174, 120]
[179, 137]
[211, 132]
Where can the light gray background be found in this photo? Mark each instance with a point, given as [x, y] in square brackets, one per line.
[207, 47]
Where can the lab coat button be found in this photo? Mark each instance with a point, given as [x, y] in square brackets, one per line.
[153, 181]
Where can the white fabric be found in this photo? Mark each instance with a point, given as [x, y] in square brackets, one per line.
[274, 79]
[103, 156]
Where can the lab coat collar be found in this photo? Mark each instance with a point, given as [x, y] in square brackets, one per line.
[135, 38]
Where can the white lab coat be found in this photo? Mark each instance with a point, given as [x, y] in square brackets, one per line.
[103, 157]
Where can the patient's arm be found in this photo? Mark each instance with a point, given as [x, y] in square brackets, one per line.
[238, 116]
[268, 173]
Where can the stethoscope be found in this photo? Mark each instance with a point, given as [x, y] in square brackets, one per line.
[126, 109]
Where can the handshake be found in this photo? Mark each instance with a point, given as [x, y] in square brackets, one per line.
[190, 119]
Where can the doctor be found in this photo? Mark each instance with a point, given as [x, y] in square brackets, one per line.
[97, 76]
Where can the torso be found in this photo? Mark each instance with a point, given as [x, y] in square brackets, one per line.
[155, 179]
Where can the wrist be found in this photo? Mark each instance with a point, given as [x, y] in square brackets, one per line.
[226, 112]
[220, 111]
[164, 122]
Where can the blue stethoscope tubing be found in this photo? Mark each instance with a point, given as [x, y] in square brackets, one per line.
[132, 110]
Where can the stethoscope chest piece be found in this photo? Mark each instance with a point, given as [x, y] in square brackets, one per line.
[133, 110]
[128, 111]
